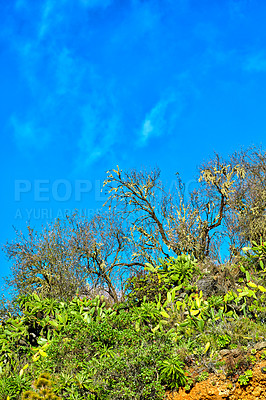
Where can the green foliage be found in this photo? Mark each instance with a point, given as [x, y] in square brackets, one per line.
[145, 284]
[130, 352]
[176, 271]
[255, 258]
[254, 274]
[156, 282]
[203, 376]
[133, 373]
[223, 341]
[148, 314]
[13, 385]
[93, 350]
[119, 363]
[172, 372]
[244, 379]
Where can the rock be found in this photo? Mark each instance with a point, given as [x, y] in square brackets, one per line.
[224, 352]
[208, 286]
[236, 352]
[260, 346]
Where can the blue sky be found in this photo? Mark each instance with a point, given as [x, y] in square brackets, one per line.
[89, 84]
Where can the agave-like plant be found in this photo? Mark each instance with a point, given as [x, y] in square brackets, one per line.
[172, 372]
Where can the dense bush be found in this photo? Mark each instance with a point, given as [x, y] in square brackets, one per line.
[138, 351]
[155, 282]
[89, 349]
[145, 284]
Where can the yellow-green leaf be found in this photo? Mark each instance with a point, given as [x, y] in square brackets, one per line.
[164, 314]
[207, 347]
[194, 312]
[156, 328]
[252, 284]
[42, 353]
[198, 301]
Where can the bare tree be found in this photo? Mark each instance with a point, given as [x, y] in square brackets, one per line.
[45, 262]
[163, 222]
[104, 250]
[72, 254]
[247, 218]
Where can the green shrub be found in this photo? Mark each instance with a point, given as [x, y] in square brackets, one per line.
[223, 341]
[133, 373]
[125, 352]
[145, 285]
[157, 281]
[109, 358]
[172, 372]
[13, 385]
[180, 270]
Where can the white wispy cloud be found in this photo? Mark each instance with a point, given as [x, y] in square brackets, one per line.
[71, 73]
[53, 76]
[80, 78]
[161, 119]
[27, 135]
[46, 17]
[98, 135]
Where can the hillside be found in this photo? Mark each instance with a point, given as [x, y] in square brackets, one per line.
[198, 332]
